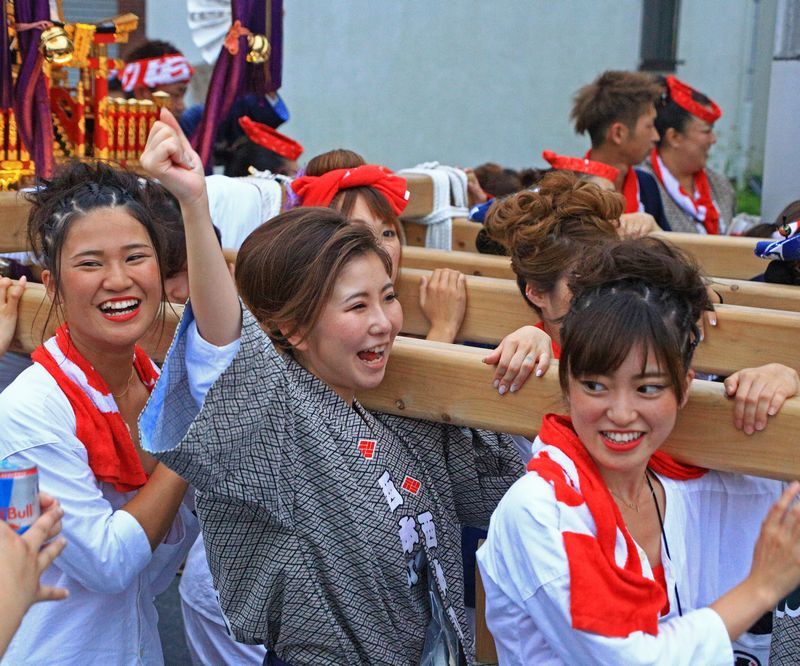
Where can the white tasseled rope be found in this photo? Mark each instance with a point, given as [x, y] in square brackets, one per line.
[449, 202]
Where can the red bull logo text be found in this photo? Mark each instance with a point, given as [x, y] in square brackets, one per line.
[19, 496]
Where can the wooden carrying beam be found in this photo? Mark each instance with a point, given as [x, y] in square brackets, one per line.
[733, 292]
[722, 256]
[450, 384]
[13, 222]
[744, 337]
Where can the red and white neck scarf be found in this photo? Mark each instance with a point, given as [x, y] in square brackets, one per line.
[153, 72]
[99, 425]
[630, 189]
[320, 190]
[699, 205]
[605, 597]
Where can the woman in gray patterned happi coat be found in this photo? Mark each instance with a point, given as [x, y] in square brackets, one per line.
[333, 534]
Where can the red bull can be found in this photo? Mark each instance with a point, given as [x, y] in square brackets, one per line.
[19, 496]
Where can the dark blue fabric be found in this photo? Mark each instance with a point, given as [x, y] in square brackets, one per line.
[651, 198]
[272, 659]
[470, 536]
[257, 107]
[478, 213]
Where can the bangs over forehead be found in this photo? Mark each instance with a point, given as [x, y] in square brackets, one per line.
[598, 336]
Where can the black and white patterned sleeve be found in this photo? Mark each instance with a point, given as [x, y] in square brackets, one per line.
[209, 445]
[482, 466]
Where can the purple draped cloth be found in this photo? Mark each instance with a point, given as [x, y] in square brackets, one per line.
[31, 103]
[6, 87]
[233, 76]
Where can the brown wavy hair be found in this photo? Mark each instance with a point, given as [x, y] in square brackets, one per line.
[287, 268]
[547, 230]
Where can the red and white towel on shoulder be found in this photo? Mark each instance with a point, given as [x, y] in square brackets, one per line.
[99, 426]
[565, 583]
[699, 205]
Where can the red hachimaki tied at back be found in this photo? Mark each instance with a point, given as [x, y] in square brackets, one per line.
[270, 138]
[320, 190]
[581, 165]
[681, 94]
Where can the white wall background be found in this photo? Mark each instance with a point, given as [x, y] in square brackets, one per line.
[469, 81]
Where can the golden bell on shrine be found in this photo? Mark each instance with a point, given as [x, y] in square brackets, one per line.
[56, 45]
[259, 49]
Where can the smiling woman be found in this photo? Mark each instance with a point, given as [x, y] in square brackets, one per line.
[73, 415]
[333, 534]
[608, 551]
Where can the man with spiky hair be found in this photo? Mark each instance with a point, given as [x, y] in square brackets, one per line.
[618, 111]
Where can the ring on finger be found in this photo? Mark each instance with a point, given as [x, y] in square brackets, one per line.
[530, 359]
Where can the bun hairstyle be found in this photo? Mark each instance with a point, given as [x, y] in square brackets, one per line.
[547, 230]
[627, 293]
[345, 201]
[287, 268]
[76, 189]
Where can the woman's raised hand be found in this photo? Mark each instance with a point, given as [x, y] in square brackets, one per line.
[169, 157]
[517, 355]
[760, 393]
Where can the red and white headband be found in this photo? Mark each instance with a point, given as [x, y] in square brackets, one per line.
[152, 72]
[681, 94]
[581, 165]
[270, 138]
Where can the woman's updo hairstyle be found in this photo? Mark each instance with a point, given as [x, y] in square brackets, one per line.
[345, 200]
[75, 190]
[548, 229]
[287, 268]
[627, 293]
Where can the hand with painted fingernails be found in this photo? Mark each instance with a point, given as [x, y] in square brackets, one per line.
[526, 350]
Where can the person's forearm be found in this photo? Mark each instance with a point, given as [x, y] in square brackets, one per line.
[212, 291]
[11, 614]
[742, 607]
[157, 502]
[442, 333]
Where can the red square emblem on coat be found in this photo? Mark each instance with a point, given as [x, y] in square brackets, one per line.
[367, 448]
[411, 485]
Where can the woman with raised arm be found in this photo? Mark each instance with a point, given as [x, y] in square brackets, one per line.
[608, 551]
[333, 534]
[73, 414]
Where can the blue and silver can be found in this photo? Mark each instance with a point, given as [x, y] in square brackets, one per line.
[19, 496]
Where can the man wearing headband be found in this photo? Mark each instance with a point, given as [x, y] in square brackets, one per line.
[157, 66]
[696, 199]
[617, 110]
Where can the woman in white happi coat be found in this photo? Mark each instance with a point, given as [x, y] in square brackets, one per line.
[608, 551]
[73, 414]
[333, 534]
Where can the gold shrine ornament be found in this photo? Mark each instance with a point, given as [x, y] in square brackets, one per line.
[56, 45]
[259, 49]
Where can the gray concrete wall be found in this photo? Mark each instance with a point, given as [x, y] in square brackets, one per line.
[470, 81]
